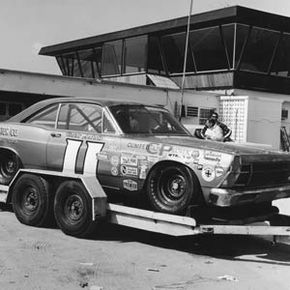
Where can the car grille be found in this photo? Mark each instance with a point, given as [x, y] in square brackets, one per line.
[264, 174]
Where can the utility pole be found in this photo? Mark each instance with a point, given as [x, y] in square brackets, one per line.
[185, 56]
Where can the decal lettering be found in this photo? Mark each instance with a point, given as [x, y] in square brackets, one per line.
[128, 170]
[129, 160]
[130, 185]
[213, 156]
[159, 149]
[137, 145]
[83, 136]
[6, 131]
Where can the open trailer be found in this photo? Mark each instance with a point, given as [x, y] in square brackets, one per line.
[98, 210]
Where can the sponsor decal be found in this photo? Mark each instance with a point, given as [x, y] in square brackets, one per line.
[173, 155]
[10, 132]
[188, 156]
[158, 149]
[144, 163]
[130, 185]
[219, 171]
[102, 156]
[143, 170]
[84, 136]
[213, 156]
[199, 166]
[129, 160]
[114, 171]
[115, 160]
[129, 170]
[208, 173]
[141, 146]
[112, 147]
[153, 159]
[141, 157]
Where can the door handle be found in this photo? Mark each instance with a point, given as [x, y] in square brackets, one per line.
[55, 135]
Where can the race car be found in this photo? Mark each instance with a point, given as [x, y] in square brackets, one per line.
[138, 150]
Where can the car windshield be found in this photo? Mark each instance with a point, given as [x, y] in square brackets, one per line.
[141, 119]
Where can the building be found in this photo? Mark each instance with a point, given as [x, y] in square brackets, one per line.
[241, 54]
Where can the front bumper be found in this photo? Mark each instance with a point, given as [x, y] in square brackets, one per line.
[229, 197]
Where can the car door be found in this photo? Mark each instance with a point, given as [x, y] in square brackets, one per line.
[35, 133]
[78, 139]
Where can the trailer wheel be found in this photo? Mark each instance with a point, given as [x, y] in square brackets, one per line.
[32, 201]
[172, 188]
[9, 165]
[73, 209]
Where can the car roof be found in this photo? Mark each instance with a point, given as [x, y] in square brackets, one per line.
[42, 104]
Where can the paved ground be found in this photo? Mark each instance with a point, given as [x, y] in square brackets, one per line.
[120, 258]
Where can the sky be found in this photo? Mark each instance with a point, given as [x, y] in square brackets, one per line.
[28, 25]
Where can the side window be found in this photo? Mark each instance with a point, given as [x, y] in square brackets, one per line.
[46, 117]
[80, 117]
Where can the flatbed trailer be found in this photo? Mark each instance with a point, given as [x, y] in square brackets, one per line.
[169, 224]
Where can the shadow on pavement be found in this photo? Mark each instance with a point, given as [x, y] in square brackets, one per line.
[230, 247]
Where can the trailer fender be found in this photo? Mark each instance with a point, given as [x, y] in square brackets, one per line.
[90, 182]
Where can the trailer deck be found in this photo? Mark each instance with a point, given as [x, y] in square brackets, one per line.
[273, 224]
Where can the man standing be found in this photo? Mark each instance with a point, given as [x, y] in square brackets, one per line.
[226, 132]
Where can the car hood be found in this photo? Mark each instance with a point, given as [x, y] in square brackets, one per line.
[225, 147]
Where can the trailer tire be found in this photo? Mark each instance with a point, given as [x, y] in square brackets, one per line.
[73, 209]
[31, 200]
[172, 188]
[9, 165]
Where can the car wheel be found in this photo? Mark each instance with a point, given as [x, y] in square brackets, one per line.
[32, 201]
[171, 189]
[73, 209]
[9, 165]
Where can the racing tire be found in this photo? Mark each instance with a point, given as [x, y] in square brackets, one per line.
[9, 166]
[73, 209]
[31, 201]
[172, 188]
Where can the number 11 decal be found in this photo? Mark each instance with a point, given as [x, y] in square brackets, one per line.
[90, 159]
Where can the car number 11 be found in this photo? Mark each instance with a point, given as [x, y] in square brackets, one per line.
[90, 159]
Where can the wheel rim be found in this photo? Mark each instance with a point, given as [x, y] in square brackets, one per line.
[73, 208]
[172, 186]
[30, 200]
[9, 166]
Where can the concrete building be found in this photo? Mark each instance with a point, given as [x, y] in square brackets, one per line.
[240, 55]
